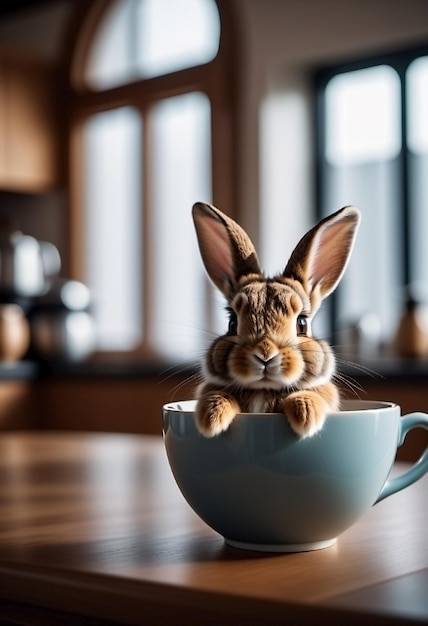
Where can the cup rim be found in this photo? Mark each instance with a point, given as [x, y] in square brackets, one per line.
[187, 407]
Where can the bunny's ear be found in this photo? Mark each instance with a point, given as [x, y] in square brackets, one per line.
[321, 256]
[226, 249]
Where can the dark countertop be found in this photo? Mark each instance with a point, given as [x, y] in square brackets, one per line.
[34, 370]
[384, 368]
[21, 370]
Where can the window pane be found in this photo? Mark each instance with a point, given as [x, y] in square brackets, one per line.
[174, 34]
[363, 116]
[363, 139]
[143, 38]
[417, 105]
[111, 59]
[417, 110]
[373, 278]
[182, 176]
[112, 202]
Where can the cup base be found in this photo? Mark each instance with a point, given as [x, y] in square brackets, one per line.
[282, 547]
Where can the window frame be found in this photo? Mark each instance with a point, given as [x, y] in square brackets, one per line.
[400, 61]
[216, 79]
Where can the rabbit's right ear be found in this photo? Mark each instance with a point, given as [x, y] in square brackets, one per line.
[320, 258]
[226, 250]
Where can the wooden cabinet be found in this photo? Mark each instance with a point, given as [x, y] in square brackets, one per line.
[29, 124]
[109, 404]
[17, 405]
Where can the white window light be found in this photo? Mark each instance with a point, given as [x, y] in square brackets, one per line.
[363, 110]
[417, 105]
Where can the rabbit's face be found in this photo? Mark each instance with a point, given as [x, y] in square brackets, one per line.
[269, 343]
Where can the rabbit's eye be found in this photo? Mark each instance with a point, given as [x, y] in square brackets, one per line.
[302, 326]
[233, 323]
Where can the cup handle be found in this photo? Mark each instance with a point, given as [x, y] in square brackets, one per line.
[408, 422]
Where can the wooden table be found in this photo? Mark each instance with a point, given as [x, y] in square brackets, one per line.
[94, 525]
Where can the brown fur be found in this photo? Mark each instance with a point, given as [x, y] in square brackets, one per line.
[267, 364]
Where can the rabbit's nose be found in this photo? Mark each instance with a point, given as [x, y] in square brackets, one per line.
[265, 360]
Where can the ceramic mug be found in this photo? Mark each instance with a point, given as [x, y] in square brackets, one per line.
[263, 488]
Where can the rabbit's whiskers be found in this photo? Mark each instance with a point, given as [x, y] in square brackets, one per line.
[194, 379]
[351, 385]
[363, 369]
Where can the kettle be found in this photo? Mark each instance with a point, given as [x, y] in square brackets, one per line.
[62, 327]
[26, 264]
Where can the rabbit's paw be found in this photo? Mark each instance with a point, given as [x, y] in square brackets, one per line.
[305, 411]
[215, 413]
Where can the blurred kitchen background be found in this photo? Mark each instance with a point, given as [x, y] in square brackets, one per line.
[117, 115]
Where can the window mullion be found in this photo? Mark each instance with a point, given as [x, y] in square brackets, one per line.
[148, 285]
[404, 175]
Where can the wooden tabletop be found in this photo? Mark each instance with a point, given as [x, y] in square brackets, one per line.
[94, 525]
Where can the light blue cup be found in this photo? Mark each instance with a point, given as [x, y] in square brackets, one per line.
[263, 488]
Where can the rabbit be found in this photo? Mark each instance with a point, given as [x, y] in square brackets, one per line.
[268, 360]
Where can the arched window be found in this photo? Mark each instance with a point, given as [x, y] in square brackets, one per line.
[151, 133]
[145, 38]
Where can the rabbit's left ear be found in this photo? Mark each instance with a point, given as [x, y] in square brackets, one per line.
[321, 256]
[226, 250]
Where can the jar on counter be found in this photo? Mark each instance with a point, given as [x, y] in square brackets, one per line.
[411, 339]
[14, 332]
